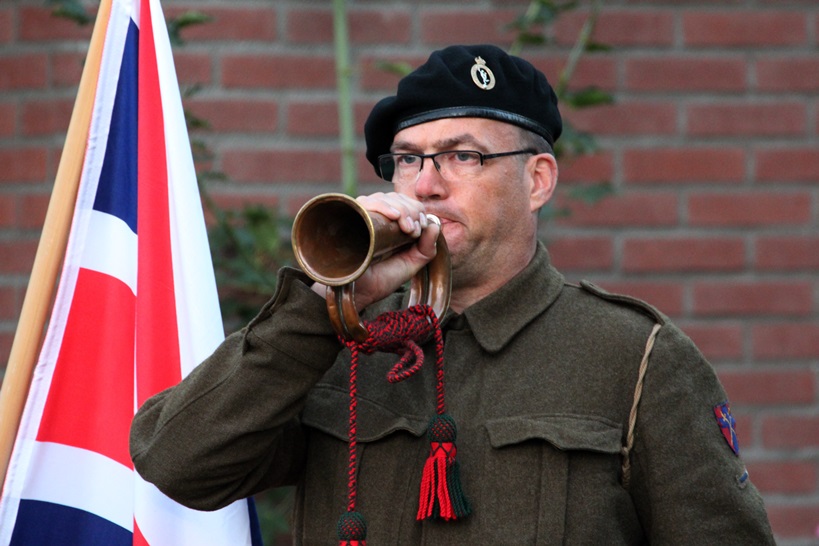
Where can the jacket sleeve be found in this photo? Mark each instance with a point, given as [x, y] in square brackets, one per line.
[231, 428]
[689, 485]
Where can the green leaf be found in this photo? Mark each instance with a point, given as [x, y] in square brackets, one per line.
[186, 19]
[591, 193]
[397, 68]
[590, 96]
[70, 9]
[594, 47]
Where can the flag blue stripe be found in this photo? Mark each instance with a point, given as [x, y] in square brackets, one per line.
[255, 526]
[117, 191]
[46, 524]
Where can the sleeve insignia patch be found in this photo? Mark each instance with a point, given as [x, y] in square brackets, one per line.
[727, 425]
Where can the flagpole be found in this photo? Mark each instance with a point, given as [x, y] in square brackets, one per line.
[50, 250]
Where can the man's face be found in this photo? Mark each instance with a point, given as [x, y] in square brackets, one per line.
[489, 218]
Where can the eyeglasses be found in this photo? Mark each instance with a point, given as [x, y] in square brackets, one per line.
[401, 168]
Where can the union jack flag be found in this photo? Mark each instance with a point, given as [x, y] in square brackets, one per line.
[136, 310]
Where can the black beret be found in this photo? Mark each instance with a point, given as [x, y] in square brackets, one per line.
[466, 81]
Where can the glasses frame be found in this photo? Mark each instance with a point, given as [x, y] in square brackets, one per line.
[482, 156]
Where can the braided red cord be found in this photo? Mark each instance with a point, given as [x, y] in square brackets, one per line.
[352, 468]
[398, 332]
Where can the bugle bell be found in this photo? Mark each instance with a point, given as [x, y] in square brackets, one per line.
[335, 240]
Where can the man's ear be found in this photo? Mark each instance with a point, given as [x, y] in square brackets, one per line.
[543, 172]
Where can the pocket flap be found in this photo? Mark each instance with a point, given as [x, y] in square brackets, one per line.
[565, 432]
[327, 410]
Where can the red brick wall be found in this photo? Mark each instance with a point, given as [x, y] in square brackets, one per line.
[712, 144]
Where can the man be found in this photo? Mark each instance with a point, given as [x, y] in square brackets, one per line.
[582, 417]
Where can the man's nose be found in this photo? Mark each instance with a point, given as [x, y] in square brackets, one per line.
[429, 183]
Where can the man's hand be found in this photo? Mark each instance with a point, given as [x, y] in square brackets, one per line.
[386, 276]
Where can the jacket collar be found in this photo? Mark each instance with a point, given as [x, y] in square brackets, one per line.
[497, 318]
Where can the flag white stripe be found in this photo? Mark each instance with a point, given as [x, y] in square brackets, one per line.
[197, 302]
[111, 248]
[82, 479]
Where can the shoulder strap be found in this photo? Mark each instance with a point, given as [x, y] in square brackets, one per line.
[659, 321]
[632, 417]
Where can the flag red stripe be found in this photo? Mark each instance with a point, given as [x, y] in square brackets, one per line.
[157, 356]
[93, 406]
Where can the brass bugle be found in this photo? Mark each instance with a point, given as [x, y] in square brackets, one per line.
[335, 240]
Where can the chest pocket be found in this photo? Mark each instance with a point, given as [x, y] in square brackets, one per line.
[327, 410]
[558, 474]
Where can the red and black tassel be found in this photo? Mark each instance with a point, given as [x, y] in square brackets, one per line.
[442, 496]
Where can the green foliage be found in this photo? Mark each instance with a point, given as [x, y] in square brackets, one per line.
[70, 9]
[182, 21]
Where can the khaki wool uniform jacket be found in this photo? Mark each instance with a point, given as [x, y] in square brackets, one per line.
[540, 379]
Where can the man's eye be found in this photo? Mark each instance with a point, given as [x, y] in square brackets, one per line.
[406, 159]
[464, 157]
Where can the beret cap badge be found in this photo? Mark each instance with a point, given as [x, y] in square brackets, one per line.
[481, 75]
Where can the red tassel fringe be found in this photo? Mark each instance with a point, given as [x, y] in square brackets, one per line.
[441, 494]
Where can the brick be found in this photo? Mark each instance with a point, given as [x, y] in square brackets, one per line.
[23, 164]
[33, 209]
[749, 209]
[376, 77]
[243, 23]
[782, 253]
[744, 28]
[791, 74]
[380, 27]
[8, 303]
[245, 116]
[793, 521]
[785, 341]
[24, 71]
[591, 71]
[66, 68]
[619, 28]
[791, 432]
[713, 75]
[683, 255]
[717, 341]
[18, 256]
[6, 339]
[46, 117]
[787, 477]
[39, 25]
[8, 119]
[751, 120]
[287, 72]
[6, 26]
[310, 26]
[8, 210]
[626, 118]
[445, 27]
[580, 253]
[312, 119]
[281, 166]
[630, 209]
[369, 180]
[684, 164]
[793, 164]
[193, 68]
[742, 298]
[667, 297]
[793, 387]
[597, 167]
[231, 202]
